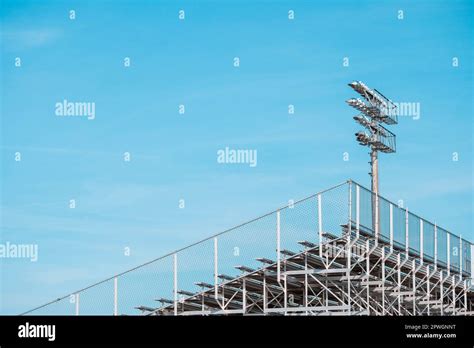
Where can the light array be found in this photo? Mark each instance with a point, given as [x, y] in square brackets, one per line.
[374, 110]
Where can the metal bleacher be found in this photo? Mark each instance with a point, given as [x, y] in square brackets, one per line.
[318, 256]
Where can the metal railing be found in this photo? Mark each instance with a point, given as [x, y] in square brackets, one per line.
[168, 280]
[416, 235]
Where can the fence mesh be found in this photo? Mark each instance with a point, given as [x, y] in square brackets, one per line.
[145, 286]
[399, 225]
[428, 240]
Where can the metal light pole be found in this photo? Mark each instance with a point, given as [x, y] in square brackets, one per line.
[374, 173]
[376, 109]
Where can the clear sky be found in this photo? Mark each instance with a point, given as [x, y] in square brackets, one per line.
[173, 156]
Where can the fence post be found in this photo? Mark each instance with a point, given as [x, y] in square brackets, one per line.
[278, 244]
[422, 238]
[77, 304]
[435, 247]
[470, 252]
[216, 290]
[320, 225]
[348, 257]
[391, 227]
[357, 209]
[115, 296]
[175, 283]
[448, 245]
[376, 217]
[407, 239]
[349, 227]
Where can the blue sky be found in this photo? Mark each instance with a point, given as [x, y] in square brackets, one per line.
[135, 204]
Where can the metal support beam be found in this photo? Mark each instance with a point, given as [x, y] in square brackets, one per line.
[115, 296]
[175, 283]
[407, 239]
[375, 193]
[399, 282]
[448, 245]
[357, 210]
[320, 225]
[413, 265]
[278, 250]
[264, 294]
[216, 274]
[77, 303]
[348, 246]
[383, 281]
[435, 247]
[421, 240]
[391, 227]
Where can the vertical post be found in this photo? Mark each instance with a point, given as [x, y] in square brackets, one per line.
[367, 274]
[470, 264]
[216, 289]
[413, 266]
[115, 296]
[357, 209]
[306, 281]
[203, 307]
[320, 225]
[264, 294]
[375, 193]
[460, 254]
[407, 239]
[454, 292]
[383, 280]
[377, 229]
[441, 290]
[428, 290]
[244, 295]
[435, 247]
[448, 239]
[349, 227]
[278, 245]
[391, 227]
[348, 256]
[175, 283]
[465, 296]
[399, 283]
[77, 304]
[421, 241]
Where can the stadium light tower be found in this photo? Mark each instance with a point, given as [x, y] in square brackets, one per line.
[374, 110]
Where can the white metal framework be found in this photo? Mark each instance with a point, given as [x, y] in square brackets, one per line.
[318, 256]
[350, 274]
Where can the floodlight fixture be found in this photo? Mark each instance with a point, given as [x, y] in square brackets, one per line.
[378, 106]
